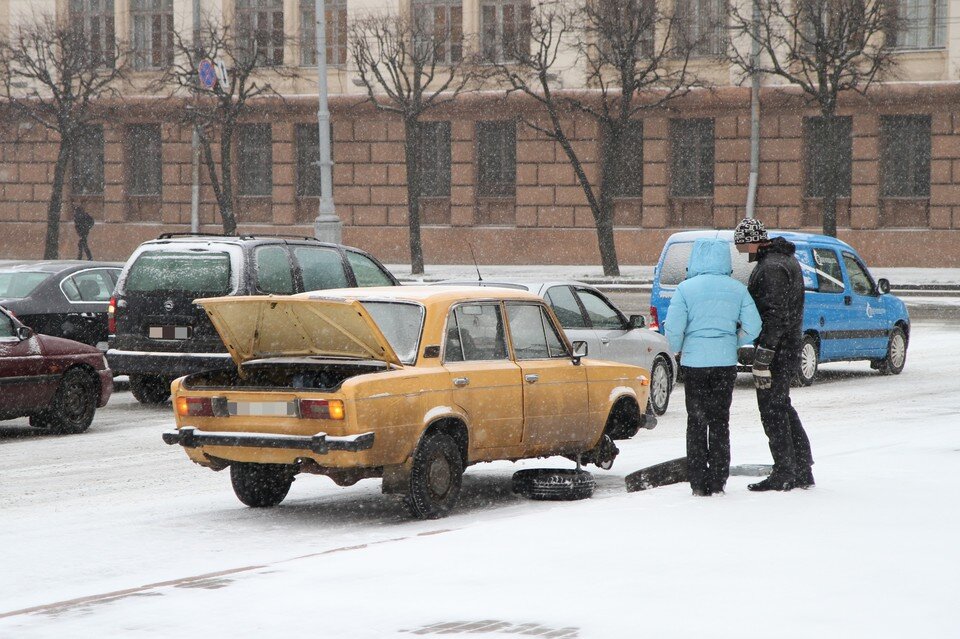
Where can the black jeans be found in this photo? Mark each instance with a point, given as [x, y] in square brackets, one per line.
[83, 247]
[708, 392]
[789, 444]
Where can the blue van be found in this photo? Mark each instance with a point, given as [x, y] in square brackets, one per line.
[847, 315]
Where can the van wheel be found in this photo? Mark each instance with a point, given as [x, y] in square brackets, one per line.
[261, 485]
[660, 386]
[809, 361]
[553, 484]
[149, 389]
[73, 407]
[436, 476]
[896, 357]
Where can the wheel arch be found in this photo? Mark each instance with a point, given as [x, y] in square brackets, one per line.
[455, 427]
[87, 370]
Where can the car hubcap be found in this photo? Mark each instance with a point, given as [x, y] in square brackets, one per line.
[808, 364]
[660, 385]
[898, 351]
[74, 403]
[439, 476]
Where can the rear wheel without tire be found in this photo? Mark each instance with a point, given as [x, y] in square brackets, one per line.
[809, 361]
[149, 389]
[623, 421]
[660, 385]
[896, 357]
[436, 476]
[261, 485]
[73, 406]
[552, 484]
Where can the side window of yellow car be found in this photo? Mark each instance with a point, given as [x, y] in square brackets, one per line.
[533, 334]
[474, 333]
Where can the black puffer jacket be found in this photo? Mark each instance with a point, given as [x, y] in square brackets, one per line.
[776, 285]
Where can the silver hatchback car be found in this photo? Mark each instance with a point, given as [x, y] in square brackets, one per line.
[588, 316]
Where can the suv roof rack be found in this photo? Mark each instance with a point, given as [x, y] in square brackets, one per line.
[242, 236]
[167, 236]
[254, 236]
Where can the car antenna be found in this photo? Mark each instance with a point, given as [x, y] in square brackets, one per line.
[475, 265]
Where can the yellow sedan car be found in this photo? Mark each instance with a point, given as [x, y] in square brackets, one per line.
[411, 384]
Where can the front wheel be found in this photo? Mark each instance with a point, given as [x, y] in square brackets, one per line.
[149, 389]
[660, 386]
[436, 477]
[809, 361]
[896, 357]
[73, 406]
[261, 485]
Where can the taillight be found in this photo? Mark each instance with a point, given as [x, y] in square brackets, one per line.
[654, 320]
[112, 316]
[195, 406]
[321, 409]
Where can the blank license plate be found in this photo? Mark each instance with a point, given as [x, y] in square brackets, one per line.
[263, 409]
[170, 332]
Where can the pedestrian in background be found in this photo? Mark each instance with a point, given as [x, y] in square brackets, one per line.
[776, 285]
[710, 316]
[83, 222]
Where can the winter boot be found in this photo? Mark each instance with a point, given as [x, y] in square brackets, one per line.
[805, 479]
[700, 491]
[772, 483]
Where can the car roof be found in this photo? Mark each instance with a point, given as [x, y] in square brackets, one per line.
[168, 238]
[54, 266]
[790, 236]
[518, 282]
[425, 294]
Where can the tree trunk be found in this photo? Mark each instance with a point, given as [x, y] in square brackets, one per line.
[831, 187]
[411, 131]
[609, 154]
[51, 250]
[226, 181]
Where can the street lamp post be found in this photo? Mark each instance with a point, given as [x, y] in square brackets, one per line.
[327, 226]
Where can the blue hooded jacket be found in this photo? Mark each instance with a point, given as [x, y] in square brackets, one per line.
[711, 314]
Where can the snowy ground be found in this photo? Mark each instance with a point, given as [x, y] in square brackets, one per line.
[114, 534]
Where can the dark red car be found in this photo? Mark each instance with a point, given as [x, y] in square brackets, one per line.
[57, 383]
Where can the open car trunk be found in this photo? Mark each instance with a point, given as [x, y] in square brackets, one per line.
[289, 373]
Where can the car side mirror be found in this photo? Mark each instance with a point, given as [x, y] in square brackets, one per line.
[579, 351]
[637, 321]
[883, 285]
[24, 333]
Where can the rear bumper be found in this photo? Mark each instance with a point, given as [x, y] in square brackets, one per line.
[321, 443]
[165, 364]
[106, 387]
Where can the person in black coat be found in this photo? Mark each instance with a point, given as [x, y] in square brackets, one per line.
[83, 222]
[776, 286]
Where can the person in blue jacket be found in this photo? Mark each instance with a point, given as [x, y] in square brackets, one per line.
[710, 316]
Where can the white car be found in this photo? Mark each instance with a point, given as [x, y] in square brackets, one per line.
[588, 316]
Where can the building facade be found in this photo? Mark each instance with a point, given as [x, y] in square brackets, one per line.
[489, 180]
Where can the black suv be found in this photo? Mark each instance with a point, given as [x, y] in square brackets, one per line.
[156, 332]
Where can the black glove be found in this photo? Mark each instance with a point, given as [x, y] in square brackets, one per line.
[761, 368]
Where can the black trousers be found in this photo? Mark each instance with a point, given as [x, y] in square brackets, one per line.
[708, 392]
[83, 247]
[789, 444]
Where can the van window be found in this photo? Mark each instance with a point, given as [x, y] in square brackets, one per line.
[674, 268]
[860, 280]
[828, 271]
[206, 272]
[321, 268]
[274, 274]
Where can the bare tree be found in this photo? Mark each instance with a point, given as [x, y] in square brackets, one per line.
[53, 77]
[636, 59]
[250, 60]
[409, 65]
[826, 48]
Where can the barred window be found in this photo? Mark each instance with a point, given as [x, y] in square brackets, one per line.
[497, 158]
[336, 31]
[87, 178]
[145, 161]
[905, 155]
[435, 159]
[691, 146]
[255, 159]
[440, 24]
[819, 142]
[152, 26]
[923, 24]
[96, 19]
[703, 24]
[626, 171]
[260, 30]
[308, 159]
[504, 29]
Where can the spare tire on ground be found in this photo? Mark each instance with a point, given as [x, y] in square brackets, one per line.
[554, 484]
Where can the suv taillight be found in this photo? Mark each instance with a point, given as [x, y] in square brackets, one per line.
[112, 316]
[654, 320]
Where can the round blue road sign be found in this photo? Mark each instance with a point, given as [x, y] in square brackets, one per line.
[207, 73]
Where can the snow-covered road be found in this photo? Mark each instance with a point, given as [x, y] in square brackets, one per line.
[112, 533]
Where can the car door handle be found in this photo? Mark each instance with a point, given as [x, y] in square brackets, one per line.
[531, 378]
[461, 381]
[604, 340]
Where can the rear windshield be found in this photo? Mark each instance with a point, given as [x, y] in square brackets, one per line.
[207, 272]
[401, 324]
[674, 268]
[17, 284]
